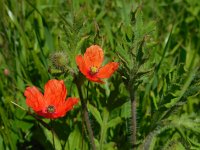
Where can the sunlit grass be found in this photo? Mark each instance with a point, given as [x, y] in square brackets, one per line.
[157, 46]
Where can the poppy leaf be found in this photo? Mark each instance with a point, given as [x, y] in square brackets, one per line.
[95, 113]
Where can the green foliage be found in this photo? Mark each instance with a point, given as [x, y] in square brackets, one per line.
[156, 44]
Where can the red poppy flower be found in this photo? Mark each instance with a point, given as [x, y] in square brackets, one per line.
[52, 104]
[90, 64]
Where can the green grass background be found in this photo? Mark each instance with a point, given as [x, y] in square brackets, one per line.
[157, 44]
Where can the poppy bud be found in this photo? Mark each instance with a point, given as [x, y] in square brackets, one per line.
[59, 60]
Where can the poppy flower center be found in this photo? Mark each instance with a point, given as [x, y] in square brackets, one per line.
[93, 70]
[51, 109]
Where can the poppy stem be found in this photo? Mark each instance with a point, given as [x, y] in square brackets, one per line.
[86, 117]
[133, 119]
[51, 122]
[83, 116]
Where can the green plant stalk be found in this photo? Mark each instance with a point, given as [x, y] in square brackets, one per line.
[86, 118]
[133, 119]
[104, 128]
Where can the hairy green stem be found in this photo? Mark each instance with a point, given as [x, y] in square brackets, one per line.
[133, 119]
[133, 122]
[86, 118]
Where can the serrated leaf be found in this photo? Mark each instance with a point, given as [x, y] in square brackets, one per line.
[149, 27]
[183, 90]
[138, 27]
[194, 142]
[172, 102]
[49, 137]
[154, 100]
[143, 73]
[74, 141]
[110, 146]
[95, 113]
[124, 56]
[126, 110]
[80, 43]
[140, 54]
[114, 122]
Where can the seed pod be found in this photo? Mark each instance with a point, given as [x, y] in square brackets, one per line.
[59, 60]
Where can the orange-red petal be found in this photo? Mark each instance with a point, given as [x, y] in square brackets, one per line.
[34, 98]
[65, 107]
[55, 92]
[60, 110]
[85, 70]
[94, 78]
[54, 96]
[93, 56]
[81, 64]
[107, 70]
[70, 102]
